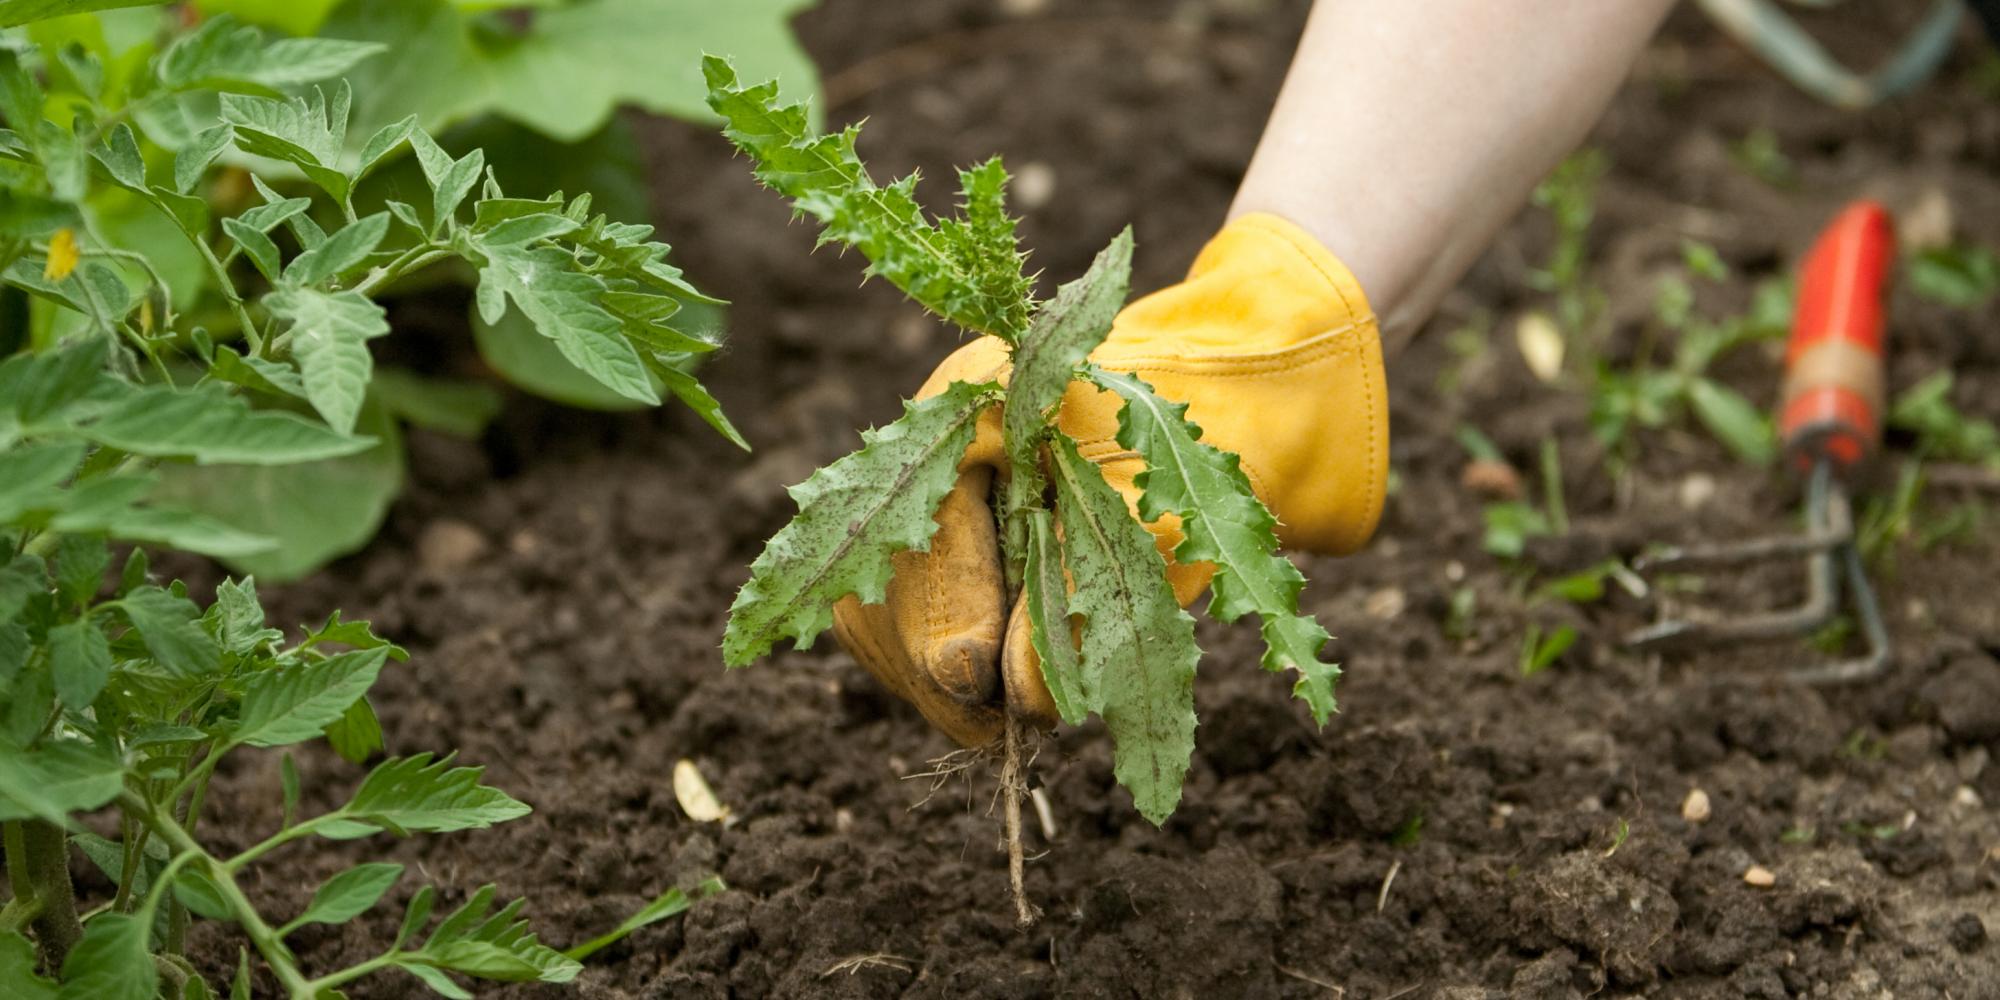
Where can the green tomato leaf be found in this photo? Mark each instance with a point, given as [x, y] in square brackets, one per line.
[211, 427]
[564, 305]
[80, 659]
[307, 133]
[1138, 649]
[357, 735]
[194, 158]
[421, 794]
[120, 157]
[241, 617]
[670, 903]
[343, 250]
[448, 406]
[57, 778]
[19, 12]
[1223, 523]
[112, 962]
[261, 250]
[453, 63]
[171, 629]
[349, 894]
[21, 579]
[329, 334]
[853, 516]
[224, 54]
[497, 947]
[292, 704]
[257, 374]
[17, 969]
[80, 564]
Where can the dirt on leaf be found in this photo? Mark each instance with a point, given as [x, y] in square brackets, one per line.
[1457, 831]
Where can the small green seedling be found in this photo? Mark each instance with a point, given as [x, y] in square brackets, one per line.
[1570, 195]
[1083, 555]
[1650, 396]
[1962, 275]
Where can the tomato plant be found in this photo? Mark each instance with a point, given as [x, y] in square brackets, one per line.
[126, 390]
[1070, 540]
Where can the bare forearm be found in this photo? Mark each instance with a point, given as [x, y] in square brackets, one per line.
[1407, 133]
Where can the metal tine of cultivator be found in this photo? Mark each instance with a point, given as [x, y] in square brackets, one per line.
[1826, 518]
[1772, 34]
[1829, 422]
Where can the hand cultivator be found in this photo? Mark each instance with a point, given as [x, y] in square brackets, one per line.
[1830, 423]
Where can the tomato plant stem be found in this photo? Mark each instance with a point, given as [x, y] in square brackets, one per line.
[266, 940]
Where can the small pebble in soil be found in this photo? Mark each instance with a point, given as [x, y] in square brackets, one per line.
[1695, 808]
[1034, 185]
[1454, 571]
[449, 545]
[1696, 491]
[1967, 933]
[1386, 604]
[1760, 876]
[1490, 480]
[1966, 798]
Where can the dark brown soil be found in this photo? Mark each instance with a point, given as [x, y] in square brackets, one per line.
[1456, 832]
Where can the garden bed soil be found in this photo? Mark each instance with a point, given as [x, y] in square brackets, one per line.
[1457, 831]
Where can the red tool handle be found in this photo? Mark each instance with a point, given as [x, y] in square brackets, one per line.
[1832, 407]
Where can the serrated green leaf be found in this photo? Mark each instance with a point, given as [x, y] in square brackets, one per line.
[344, 249]
[80, 564]
[224, 54]
[691, 392]
[349, 894]
[527, 229]
[313, 511]
[435, 978]
[295, 703]
[263, 253]
[459, 408]
[257, 374]
[356, 735]
[169, 526]
[17, 969]
[1048, 617]
[56, 779]
[119, 154]
[1741, 427]
[420, 794]
[23, 577]
[1138, 648]
[450, 180]
[241, 617]
[80, 660]
[416, 915]
[196, 890]
[112, 962]
[171, 629]
[1224, 524]
[565, 306]
[305, 132]
[38, 388]
[194, 158]
[853, 516]
[30, 474]
[1063, 333]
[960, 272]
[211, 427]
[329, 334]
[18, 12]
[667, 904]
[607, 53]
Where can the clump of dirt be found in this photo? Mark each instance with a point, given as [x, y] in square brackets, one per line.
[1459, 831]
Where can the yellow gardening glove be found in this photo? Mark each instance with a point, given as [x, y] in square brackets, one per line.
[1274, 349]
